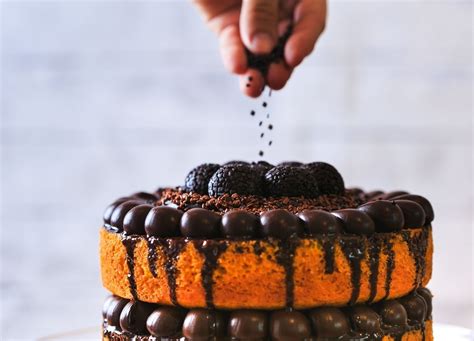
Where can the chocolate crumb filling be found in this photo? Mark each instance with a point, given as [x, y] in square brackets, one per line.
[257, 204]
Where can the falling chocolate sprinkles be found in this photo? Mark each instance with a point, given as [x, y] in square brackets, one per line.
[388, 249]
[285, 257]
[211, 251]
[418, 244]
[354, 250]
[329, 245]
[374, 262]
[130, 244]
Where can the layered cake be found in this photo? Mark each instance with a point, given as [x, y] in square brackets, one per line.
[253, 251]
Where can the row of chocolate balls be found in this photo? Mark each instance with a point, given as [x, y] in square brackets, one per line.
[142, 318]
[135, 217]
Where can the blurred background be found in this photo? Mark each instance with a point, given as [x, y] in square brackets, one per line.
[104, 98]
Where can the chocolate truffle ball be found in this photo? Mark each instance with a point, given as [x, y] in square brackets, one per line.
[202, 324]
[365, 319]
[110, 209]
[134, 316]
[415, 306]
[280, 223]
[428, 297]
[329, 322]
[114, 310]
[289, 325]
[134, 220]
[393, 194]
[429, 213]
[320, 222]
[413, 213]
[248, 324]
[165, 321]
[386, 215]
[240, 224]
[107, 302]
[393, 313]
[374, 195]
[356, 221]
[163, 222]
[149, 198]
[116, 220]
[200, 223]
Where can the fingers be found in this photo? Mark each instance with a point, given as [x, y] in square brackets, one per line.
[232, 50]
[252, 83]
[309, 21]
[258, 25]
[278, 75]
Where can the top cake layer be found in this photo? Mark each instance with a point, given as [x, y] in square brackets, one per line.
[308, 241]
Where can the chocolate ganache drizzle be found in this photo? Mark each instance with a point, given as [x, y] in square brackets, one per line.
[171, 249]
[130, 243]
[354, 249]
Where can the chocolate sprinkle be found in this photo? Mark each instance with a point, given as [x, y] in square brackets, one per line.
[257, 204]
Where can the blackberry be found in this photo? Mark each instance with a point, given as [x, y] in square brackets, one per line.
[197, 179]
[261, 167]
[235, 178]
[291, 163]
[328, 178]
[235, 162]
[290, 181]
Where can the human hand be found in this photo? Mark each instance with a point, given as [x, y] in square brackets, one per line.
[256, 25]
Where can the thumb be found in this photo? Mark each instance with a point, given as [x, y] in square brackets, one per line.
[258, 25]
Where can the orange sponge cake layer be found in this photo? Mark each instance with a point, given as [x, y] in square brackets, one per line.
[267, 273]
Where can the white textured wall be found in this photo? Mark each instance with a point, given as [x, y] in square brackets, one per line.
[103, 98]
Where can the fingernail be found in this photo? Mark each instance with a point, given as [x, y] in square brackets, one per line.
[261, 43]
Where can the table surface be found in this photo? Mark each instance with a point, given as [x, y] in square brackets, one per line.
[441, 332]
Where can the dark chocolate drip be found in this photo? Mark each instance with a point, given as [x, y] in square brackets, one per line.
[354, 250]
[418, 244]
[329, 244]
[374, 262]
[172, 249]
[285, 257]
[258, 248]
[130, 243]
[388, 249]
[211, 251]
[152, 255]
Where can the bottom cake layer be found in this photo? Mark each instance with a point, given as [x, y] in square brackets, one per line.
[407, 318]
